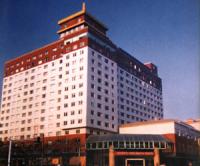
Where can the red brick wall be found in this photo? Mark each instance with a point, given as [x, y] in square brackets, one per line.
[183, 145]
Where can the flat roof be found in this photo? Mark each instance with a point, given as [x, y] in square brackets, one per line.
[151, 122]
[148, 122]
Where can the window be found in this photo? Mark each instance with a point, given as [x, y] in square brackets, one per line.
[92, 121]
[92, 94]
[79, 111]
[42, 119]
[98, 114]
[67, 57]
[99, 80]
[106, 116]
[45, 80]
[43, 103]
[45, 74]
[99, 123]
[44, 88]
[106, 76]
[82, 51]
[77, 131]
[80, 93]
[106, 83]
[22, 129]
[99, 97]
[106, 124]
[99, 88]
[106, 107]
[99, 65]
[42, 111]
[99, 72]
[93, 53]
[81, 76]
[98, 105]
[80, 85]
[106, 91]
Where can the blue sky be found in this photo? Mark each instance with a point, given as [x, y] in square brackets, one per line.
[165, 32]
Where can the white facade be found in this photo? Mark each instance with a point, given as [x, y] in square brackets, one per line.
[161, 127]
[29, 105]
[148, 128]
[102, 92]
[78, 90]
[137, 100]
[77, 93]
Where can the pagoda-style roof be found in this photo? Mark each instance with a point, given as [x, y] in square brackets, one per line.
[78, 14]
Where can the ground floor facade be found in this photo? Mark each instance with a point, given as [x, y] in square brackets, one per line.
[104, 150]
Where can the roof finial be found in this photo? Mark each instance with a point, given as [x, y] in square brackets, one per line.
[83, 6]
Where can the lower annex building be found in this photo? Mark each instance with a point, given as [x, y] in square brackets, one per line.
[165, 142]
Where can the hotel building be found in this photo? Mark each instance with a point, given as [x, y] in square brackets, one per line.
[80, 84]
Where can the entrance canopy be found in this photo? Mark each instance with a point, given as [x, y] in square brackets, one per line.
[127, 141]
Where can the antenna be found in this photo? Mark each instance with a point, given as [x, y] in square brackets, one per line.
[83, 6]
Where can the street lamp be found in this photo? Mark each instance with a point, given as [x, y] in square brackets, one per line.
[9, 152]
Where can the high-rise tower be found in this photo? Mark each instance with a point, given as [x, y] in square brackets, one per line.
[80, 84]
